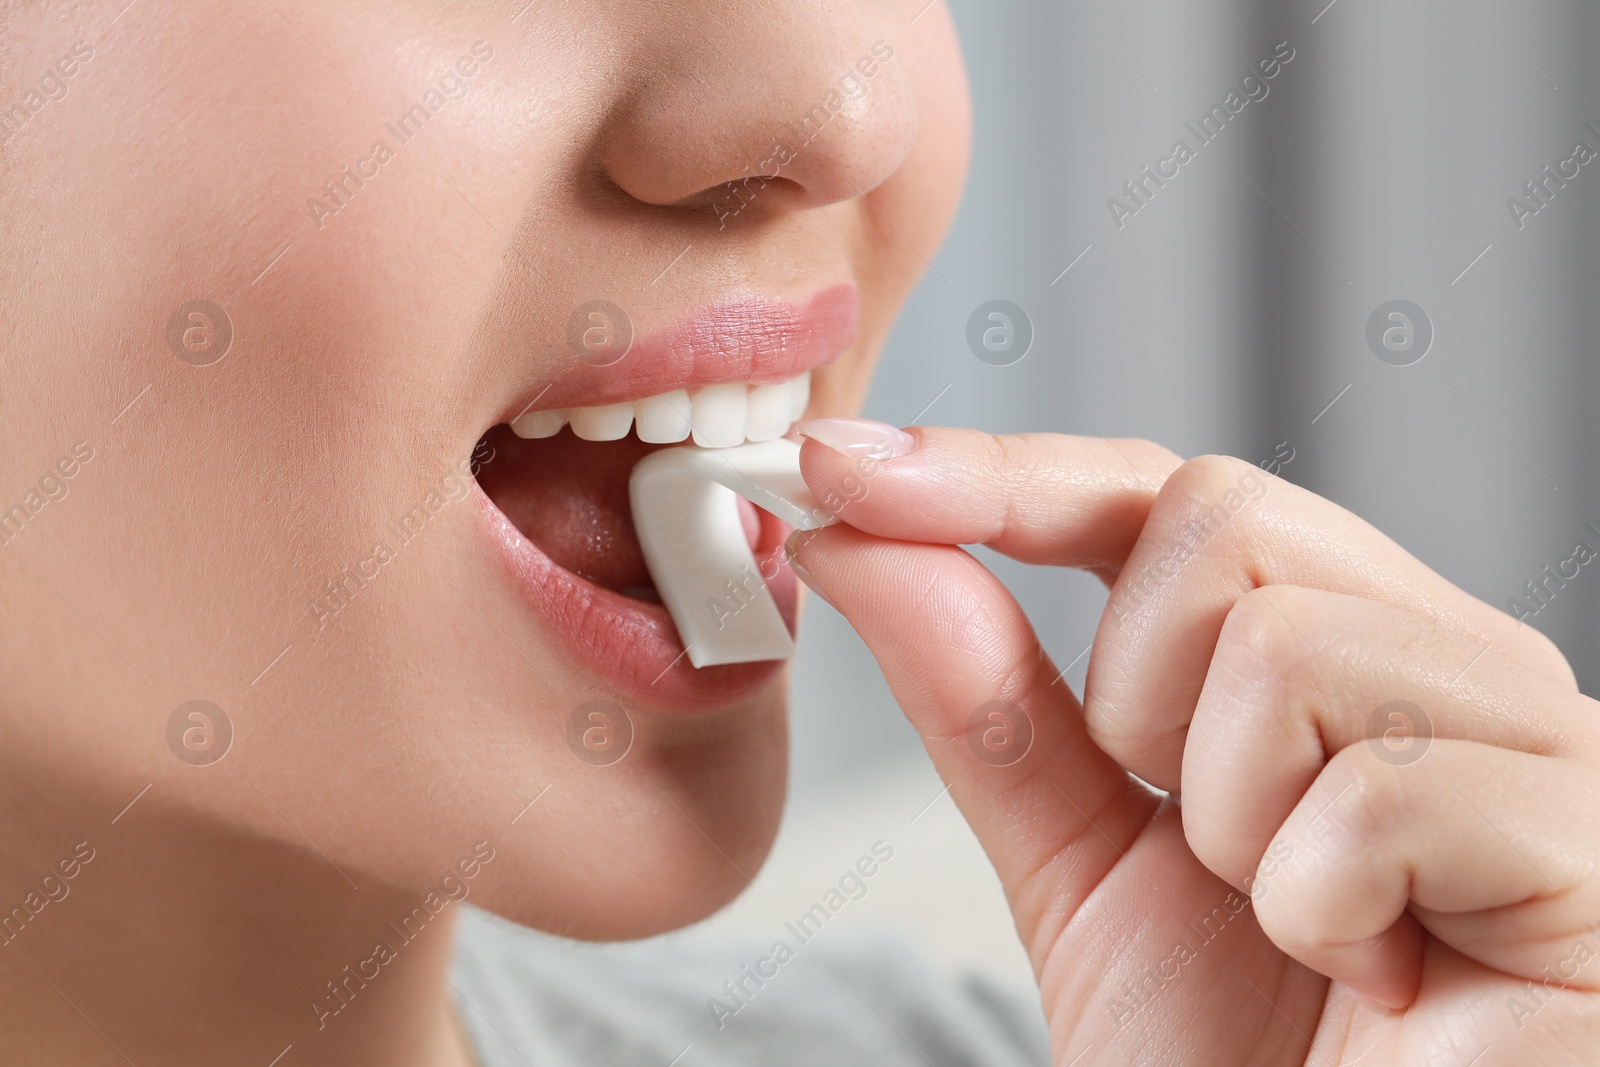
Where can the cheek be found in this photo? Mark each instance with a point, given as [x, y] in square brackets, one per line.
[928, 186]
[223, 497]
[921, 197]
[841, 387]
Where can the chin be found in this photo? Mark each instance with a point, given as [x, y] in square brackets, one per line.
[660, 840]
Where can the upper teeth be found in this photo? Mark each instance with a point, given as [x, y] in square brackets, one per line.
[717, 416]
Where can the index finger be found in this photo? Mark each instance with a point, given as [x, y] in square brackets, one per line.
[1039, 498]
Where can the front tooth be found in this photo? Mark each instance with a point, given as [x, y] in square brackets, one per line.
[769, 411]
[799, 396]
[719, 414]
[539, 423]
[663, 419]
[607, 422]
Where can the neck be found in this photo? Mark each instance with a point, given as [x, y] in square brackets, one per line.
[155, 940]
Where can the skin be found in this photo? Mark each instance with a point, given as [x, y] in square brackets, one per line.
[372, 759]
[1374, 916]
[1326, 884]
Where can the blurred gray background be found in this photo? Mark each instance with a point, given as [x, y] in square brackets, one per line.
[1230, 315]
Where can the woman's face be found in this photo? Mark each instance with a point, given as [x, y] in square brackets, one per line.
[278, 273]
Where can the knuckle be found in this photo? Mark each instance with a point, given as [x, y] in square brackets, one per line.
[1207, 498]
[1353, 808]
[1266, 639]
[1551, 659]
[993, 452]
[997, 477]
[1018, 464]
[1216, 844]
[1016, 451]
[1255, 631]
[1016, 474]
[1110, 715]
[1025, 675]
[1359, 800]
[1207, 476]
[1286, 918]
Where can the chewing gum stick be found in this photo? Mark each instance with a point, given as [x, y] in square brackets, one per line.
[686, 512]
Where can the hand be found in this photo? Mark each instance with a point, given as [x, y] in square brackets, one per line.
[1380, 843]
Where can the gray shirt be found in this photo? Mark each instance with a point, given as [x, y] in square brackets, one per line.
[531, 1000]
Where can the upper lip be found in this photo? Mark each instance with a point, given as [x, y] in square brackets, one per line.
[757, 339]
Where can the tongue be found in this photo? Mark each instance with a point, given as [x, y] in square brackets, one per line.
[570, 497]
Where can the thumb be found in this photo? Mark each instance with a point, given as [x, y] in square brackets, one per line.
[968, 671]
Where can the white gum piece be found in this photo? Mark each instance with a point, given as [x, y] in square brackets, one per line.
[686, 513]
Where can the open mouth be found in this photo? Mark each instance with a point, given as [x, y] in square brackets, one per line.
[561, 476]
[556, 494]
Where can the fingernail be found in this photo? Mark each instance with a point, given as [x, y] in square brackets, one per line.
[858, 438]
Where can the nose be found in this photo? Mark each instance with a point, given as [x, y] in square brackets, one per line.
[767, 108]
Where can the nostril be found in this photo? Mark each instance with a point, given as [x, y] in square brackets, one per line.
[761, 192]
[791, 125]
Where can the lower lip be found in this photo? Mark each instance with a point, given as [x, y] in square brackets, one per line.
[632, 644]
